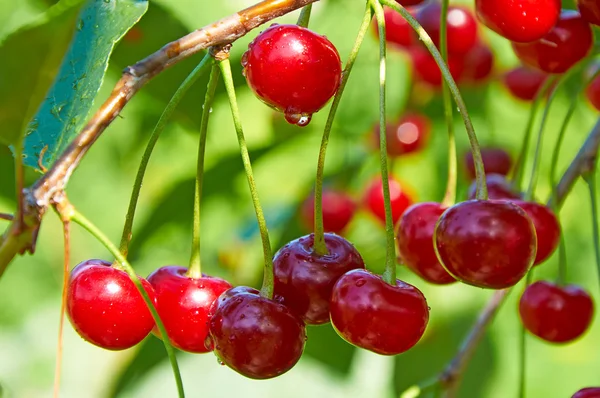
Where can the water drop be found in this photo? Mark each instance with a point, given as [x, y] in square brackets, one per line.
[80, 24]
[245, 59]
[360, 282]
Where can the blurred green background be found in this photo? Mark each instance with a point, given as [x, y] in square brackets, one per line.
[284, 160]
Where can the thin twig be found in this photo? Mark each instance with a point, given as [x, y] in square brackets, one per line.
[7, 217]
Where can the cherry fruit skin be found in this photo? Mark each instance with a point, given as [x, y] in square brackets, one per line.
[304, 279]
[569, 41]
[461, 26]
[588, 392]
[524, 82]
[557, 314]
[497, 186]
[590, 11]
[593, 93]
[479, 64]
[415, 242]
[495, 161]
[293, 69]
[184, 304]
[338, 210]
[428, 71]
[519, 21]
[406, 136]
[105, 307]
[257, 337]
[547, 228]
[397, 31]
[369, 313]
[486, 243]
[399, 199]
[408, 3]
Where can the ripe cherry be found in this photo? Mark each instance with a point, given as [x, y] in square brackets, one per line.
[461, 26]
[105, 307]
[479, 64]
[428, 71]
[184, 304]
[593, 92]
[590, 10]
[415, 242]
[292, 69]
[524, 82]
[408, 3]
[489, 244]
[588, 392]
[399, 198]
[519, 20]
[304, 279]
[369, 313]
[495, 160]
[557, 314]
[407, 135]
[497, 186]
[338, 210]
[397, 30]
[568, 42]
[547, 228]
[257, 337]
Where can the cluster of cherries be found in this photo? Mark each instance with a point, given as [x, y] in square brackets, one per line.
[485, 243]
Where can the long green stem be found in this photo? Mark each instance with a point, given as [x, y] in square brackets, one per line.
[562, 261]
[389, 275]
[590, 179]
[268, 278]
[304, 17]
[195, 270]
[99, 235]
[462, 108]
[450, 196]
[158, 129]
[319, 245]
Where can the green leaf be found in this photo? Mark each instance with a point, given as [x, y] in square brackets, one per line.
[65, 109]
[30, 58]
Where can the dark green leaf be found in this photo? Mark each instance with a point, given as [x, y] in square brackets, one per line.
[67, 104]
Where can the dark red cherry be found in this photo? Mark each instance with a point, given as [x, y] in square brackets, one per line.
[567, 43]
[588, 392]
[415, 242]
[547, 228]
[184, 304]
[105, 307]
[338, 210]
[557, 314]
[524, 82]
[304, 279]
[397, 31]
[292, 69]
[590, 10]
[461, 26]
[483, 243]
[519, 20]
[372, 314]
[593, 92]
[257, 337]
[408, 3]
[399, 198]
[427, 70]
[495, 160]
[497, 186]
[479, 64]
[407, 135]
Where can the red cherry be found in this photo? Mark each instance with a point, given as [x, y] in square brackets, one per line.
[397, 30]
[484, 243]
[408, 135]
[106, 308]
[399, 199]
[588, 392]
[184, 304]
[257, 337]
[524, 82]
[408, 3]
[547, 228]
[497, 186]
[593, 92]
[374, 315]
[557, 314]
[479, 64]
[415, 242]
[590, 10]
[569, 41]
[292, 69]
[338, 210]
[519, 20]
[495, 160]
[304, 279]
[461, 26]
[428, 71]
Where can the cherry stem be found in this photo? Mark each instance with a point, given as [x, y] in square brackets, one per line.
[195, 269]
[481, 192]
[319, 246]
[590, 178]
[304, 17]
[450, 196]
[523, 346]
[158, 129]
[389, 275]
[562, 262]
[7, 217]
[20, 183]
[63, 306]
[268, 277]
[125, 266]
